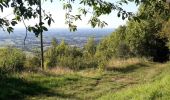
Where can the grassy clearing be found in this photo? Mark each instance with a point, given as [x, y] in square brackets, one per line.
[158, 89]
[130, 81]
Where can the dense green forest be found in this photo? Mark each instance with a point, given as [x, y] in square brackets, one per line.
[131, 63]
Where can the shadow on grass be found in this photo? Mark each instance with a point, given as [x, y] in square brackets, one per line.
[127, 69]
[12, 88]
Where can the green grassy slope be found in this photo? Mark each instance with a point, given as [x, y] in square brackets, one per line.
[157, 89]
[139, 81]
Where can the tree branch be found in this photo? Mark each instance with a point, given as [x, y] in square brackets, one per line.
[26, 30]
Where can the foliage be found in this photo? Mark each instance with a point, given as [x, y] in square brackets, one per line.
[89, 51]
[33, 62]
[140, 38]
[63, 48]
[70, 62]
[63, 55]
[115, 44]
[51, 54]
[90, 47]
[11, 59]
[144, 37]
[25, 10]
[123, 50]
[68, 56]
[165, 32]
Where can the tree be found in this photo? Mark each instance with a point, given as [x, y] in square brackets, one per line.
[51, 54]
[90, 47]
[147, 31]
[54, 43]
[142, 37]
[63, 48]
[24, 9]
[111, 45]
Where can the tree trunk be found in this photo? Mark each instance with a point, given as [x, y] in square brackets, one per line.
[41, 37]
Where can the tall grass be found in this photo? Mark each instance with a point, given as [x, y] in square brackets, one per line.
[122, 63]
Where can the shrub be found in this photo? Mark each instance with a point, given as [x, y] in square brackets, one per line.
[123, 50]
[89, 51]
[51, 54]
[101, 60]
[63, 55]
[51, 57]
[33, 62]
[89, 60]
[11, 59]
[70, 62]
[90, 46]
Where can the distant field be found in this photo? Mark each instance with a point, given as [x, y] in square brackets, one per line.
[78, 38]
[136, 80]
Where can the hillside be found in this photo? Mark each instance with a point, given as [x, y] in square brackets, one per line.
[129, 62]
[136, 79]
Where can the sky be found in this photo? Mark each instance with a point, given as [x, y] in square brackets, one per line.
[58, 14]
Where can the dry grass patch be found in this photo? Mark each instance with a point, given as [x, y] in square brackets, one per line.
[60, 70]
[90, 73]
[123, 63]
[125, 79]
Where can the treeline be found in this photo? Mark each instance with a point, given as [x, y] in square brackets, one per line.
[147, 35]
[57, 55]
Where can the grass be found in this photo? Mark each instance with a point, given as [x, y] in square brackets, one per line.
[158, 89]
[135, 79]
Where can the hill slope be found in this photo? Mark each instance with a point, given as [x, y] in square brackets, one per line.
[141, 80]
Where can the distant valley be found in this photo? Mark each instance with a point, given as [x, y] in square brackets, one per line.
[78, 38]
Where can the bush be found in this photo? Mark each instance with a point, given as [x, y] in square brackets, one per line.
[51, 54]
[89, 60]
[123, 50]
[101, 60]
[11, 59]
[90, 46]
[33, 62]
[63, 55]
[70, 62]
[51, 57]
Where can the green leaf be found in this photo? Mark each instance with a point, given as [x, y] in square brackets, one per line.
[13, 23]
[42, 23]
[17, 18]
[10, 29]
[46, 18]
[1, 7]
[49, 21]
[44, 28]
[118, 14]
[29, 29]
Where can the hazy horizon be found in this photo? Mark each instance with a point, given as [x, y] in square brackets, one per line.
[77, 38]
